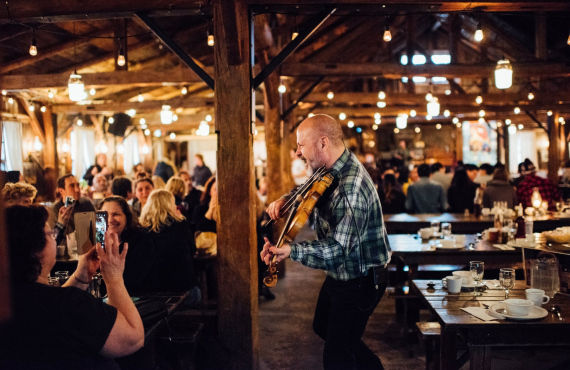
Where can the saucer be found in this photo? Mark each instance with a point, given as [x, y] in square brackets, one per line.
[499, 310]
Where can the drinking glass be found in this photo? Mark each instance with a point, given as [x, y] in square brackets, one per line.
[507, 280]
[445, 229]
[477, 269]
[53, 281]
[559, 206]
[62, 276]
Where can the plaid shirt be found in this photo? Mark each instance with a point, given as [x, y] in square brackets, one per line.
[350, 229]
[547, 190]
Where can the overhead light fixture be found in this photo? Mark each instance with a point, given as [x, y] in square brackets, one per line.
[111, 120]
[429, 96]
[482, 113]
[560, 119]
[208, 118]
[568, 41]
[455, 120]
[210, 37]
[447, 92]
[342, 116]
[79, 122]
[132, 112]
[92, 91]
[530, 96]
[479, 99]
[203, 129]
[417, 130]
[517, 110]
[51, 94]
[387, 36]
[396, 130]
[381, 104]
[446, 113]
[402, 121]
[375, 127]
[350, 124]
[75, 87]
[121, 60]
[438, 126]
[429, 118]
[10, 100]
[142, 121]
[43, 109]
[478, 33]
[37, 144]
[381, 95]
[4, 92]
[458, 125]
[140, 98]
[520, 126]
[481, 120]
[377, 116]
[508, 121]
[172, 136]
[157, 133]
[282, 88]
[549, 113]
[330, 95]
[413, 113]
[512, 129]
[433, 107]
[146, 133]
[33, 47]
[184, 90]
[166, 115]
[503, 74]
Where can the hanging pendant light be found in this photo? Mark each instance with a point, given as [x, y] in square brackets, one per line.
[387, 36]
[166, 115]
[503, 74]
[433, 107]
[33, 47]
[402, 121]
[75, 87]
[478, 33]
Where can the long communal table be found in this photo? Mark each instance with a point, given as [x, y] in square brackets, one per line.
[405, 223]
[482, 337]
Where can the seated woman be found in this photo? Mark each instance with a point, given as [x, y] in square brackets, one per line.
[461, 193]
[499, 189]
[394, 198]
[173, 268]
[64, 328]
[140, 260]
[177, 187]
[201, 222]
[19, 193]
[143, 187]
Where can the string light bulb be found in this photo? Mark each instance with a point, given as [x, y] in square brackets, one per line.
[530, 96]
[549, 113]
[51, 94]
[4, 92]
[413, 113]
[184, 90]
[479, 99]
[438, 126]
[446, 113]
[31, 107]
[568, 41]
[433, 107]
[455, 120]
[381, 95]
[503, 74]
[517, 110]
[33, 47]
[387, 36]
[210, 37]
[330, 95]
[282, 88]
[402, 121]
[121, 60]
[381, 104]
[429, 96]
[478, 33]
[10, 100]
[342, 116]
[140, 98]
[43, 108]
[166, 115]
[75, 87]
[350, 124]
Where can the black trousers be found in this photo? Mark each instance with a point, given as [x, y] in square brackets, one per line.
[342, 311]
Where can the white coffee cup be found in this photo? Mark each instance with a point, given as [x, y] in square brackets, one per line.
[537, 296]
[426, 232]
[465, 276]
[518, 307]
[453, 284]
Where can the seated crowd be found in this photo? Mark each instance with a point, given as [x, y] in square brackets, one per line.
[430, 189]
[149, 248]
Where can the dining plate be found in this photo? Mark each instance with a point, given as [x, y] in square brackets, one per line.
[499, 310]
[454, 247]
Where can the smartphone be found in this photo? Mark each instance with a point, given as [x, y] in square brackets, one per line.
[100, 227]
[69, 201]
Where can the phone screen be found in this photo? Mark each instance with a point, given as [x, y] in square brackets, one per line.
[100, 227]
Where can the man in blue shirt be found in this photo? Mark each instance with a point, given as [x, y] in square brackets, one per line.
[425, 196]
[351, 246]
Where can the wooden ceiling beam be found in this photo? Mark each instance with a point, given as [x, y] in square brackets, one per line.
[396, 71]
[176, 76]
[390, 6]
[53, 11]
[455, 99]
[150, 105]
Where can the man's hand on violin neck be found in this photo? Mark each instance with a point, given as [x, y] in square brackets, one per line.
[274, 209]
[269, 250]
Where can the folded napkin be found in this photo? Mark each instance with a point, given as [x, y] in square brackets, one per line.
[503, 247]
[480, 313]
[492, 284]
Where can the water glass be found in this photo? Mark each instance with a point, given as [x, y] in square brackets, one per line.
[62, 276]
[507, 280]
[477, 269]
[53, 281]
[445, 229]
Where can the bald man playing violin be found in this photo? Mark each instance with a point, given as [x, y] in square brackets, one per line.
[351, 246]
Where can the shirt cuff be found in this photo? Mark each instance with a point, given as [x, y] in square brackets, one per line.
[296, 252]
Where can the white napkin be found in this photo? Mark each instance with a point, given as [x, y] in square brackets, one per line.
[479, 312]
[503, 247]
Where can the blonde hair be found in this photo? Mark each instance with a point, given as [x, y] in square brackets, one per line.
[159, 211]
[18, 190]
[176, 186]
[158, 182]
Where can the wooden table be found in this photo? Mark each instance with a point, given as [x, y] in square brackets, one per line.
[482, 336]
[412, 250]
[403, 223]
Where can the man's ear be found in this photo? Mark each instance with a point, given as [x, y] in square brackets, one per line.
[324, 142]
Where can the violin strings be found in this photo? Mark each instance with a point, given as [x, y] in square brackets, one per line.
[301, 189]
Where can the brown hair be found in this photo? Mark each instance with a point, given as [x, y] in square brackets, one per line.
[501, 174]
[18, 190]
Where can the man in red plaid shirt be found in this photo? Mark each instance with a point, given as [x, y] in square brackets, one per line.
[548, 191]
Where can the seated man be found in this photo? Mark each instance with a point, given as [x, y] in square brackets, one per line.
[425, 196]
[547, 189]
[67, 187]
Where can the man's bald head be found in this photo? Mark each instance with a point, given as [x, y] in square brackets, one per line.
[323, 125]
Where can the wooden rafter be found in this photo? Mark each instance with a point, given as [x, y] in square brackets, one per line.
[148, 105]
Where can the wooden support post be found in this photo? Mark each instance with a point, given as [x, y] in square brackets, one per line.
[411, 23]
[50, 130]
[273, 138]
[553, 148]
[5, 307]
[237, 241]
[37, 128]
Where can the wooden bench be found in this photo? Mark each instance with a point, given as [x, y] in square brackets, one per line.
[430, 333]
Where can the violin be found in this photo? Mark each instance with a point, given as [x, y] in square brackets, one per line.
[300, 207]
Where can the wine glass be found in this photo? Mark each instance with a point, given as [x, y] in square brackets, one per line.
[477, 269]
[507, 279]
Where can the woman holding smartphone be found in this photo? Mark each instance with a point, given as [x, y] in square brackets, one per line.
[64, 327]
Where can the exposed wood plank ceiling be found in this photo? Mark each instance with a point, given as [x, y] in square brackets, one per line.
[347, 49]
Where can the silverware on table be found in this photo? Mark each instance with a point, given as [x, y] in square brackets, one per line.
[557, 311]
